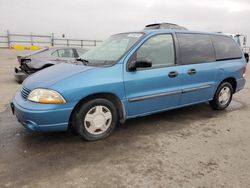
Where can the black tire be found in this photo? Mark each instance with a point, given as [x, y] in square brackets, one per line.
[81, 113]
[215, 103]
[19, 81]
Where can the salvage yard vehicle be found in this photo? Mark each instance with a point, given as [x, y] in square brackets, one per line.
[241, 41]
[44, 58]
[131, 75]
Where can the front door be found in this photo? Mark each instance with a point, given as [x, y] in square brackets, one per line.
[156, 88]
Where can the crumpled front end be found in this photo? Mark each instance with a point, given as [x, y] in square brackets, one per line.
[20, 75]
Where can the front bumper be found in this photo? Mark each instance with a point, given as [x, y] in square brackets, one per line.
[20, 75]
[41, 117]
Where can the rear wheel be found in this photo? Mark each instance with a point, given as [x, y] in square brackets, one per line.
[96, 119]
[222, 97]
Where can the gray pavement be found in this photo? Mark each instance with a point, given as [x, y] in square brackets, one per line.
[188, 147]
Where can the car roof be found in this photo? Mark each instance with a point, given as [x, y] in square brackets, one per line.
[159, 31]
[164, 25]
[152, 31]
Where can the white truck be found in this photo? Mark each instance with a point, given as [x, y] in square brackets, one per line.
[242, 41]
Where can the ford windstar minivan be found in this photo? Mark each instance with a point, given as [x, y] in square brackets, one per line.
[129, 75]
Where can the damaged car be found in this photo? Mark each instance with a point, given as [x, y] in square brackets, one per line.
[44, 58]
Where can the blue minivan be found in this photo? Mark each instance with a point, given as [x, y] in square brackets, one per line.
[129, 75]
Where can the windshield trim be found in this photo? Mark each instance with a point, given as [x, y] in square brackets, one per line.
[124, 54]
[139, 39]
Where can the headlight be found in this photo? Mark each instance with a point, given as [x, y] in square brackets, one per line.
[46, 96]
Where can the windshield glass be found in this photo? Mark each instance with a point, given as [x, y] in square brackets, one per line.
[112, 49]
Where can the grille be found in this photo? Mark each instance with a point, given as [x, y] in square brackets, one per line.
[25, 92]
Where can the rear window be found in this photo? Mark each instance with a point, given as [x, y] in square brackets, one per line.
[226, 48]
[195, 48]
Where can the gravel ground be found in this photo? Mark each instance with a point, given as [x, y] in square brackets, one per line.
[188, 147]
[8, 86]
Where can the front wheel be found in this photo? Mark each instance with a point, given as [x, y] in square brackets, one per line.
[96, 119]
[222, 97]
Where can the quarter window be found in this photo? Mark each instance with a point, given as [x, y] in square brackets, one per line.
[159, 49]
[226, 48]
[195, 48]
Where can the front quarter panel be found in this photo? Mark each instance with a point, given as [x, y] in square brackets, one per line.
[93, 81]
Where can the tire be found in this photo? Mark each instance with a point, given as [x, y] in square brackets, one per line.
[96, 119]
[220, 100]
[19, 81]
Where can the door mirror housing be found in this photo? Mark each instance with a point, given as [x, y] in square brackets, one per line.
[140, 63]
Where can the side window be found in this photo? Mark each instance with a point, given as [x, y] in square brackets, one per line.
[195, 48]
[226, 48]
[68, 53]
[159, 49]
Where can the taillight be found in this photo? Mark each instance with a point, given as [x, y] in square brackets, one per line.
[244, 71]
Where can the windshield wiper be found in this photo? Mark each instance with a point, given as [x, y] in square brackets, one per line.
[84, 61]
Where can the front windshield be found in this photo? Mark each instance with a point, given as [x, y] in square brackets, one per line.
[112, 49]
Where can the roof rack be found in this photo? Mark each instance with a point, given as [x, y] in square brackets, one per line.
[164, 26]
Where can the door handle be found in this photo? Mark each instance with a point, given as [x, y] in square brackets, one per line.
[172, 74]
[191, 71]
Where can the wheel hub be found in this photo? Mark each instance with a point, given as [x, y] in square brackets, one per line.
[98, 119]
[224, 95]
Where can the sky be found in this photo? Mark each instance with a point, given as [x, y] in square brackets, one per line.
[93, 19]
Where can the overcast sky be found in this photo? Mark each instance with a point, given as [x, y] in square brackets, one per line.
[92, 19]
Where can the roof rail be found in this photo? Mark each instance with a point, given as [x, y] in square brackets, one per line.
[164, 26]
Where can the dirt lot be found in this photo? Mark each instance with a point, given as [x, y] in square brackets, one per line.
[188, 147]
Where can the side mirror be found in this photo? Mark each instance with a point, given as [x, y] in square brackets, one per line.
[140, 63]
[246, 57]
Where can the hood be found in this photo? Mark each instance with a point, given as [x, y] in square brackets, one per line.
[51, 75]
[39, 64]
[28, 55]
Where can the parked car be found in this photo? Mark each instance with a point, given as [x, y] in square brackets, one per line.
[131, 75]
[44, 58]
